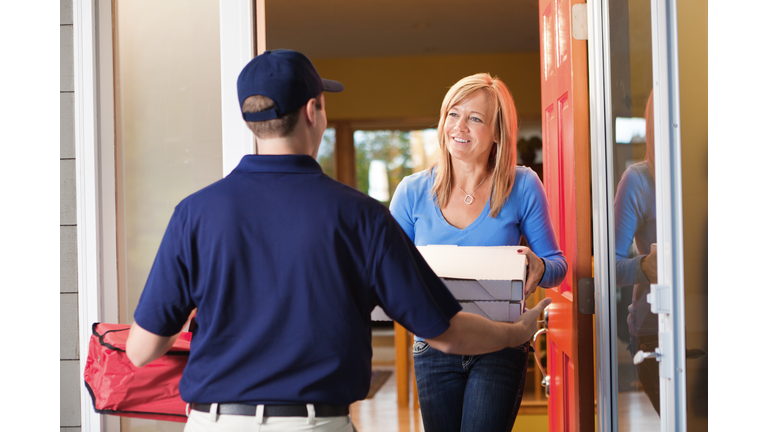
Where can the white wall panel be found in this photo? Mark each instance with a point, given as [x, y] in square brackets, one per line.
[69, 392]
[68, 327]
[67, 59]
[68, 215]
[65, 8]
[67, 125]
[68, 260]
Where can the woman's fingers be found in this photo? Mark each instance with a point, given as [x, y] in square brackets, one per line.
[535, 270]
[648, 266]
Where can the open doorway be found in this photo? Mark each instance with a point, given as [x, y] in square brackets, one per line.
[397, 59]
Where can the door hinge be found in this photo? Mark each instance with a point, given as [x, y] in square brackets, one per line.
[579, 21]
[660, 299]
[586, 296]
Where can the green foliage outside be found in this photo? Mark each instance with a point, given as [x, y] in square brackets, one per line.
[393, 147]
[325, 154]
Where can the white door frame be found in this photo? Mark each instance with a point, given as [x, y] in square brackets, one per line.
[95, 159]
[236, 51]
[603, 238]
[669, 297]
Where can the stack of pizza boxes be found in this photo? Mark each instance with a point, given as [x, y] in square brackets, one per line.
[487, 281]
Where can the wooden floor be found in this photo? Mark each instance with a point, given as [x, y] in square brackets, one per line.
[381, 414]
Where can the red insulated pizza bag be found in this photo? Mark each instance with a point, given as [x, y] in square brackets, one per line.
[119, 388]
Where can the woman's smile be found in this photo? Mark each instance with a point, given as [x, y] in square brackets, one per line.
[468, 125]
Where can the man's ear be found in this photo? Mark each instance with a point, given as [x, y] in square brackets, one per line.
[309, 110]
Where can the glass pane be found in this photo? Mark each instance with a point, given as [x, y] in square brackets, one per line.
[325, 154]
[384, 157]
[168, 116]
[634, 212]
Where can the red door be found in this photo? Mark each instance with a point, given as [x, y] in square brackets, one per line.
[565, 128]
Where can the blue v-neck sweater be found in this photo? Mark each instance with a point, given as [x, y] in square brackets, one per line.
[526, 213]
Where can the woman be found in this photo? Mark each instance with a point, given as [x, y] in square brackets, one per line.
[476, 196]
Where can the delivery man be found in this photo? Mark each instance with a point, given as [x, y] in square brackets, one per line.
[284, 266]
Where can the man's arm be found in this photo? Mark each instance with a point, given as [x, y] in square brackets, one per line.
[144, 347]
[471, 334]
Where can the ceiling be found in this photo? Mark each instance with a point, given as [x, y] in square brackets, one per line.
[380, 28]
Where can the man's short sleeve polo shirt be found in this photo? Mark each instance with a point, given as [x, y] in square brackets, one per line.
[285, 265]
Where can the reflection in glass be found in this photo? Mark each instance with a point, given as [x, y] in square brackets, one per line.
[634, 211]
[635, 223]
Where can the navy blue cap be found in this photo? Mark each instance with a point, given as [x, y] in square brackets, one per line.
[287, 77]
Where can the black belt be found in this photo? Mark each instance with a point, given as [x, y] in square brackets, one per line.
[321, 410]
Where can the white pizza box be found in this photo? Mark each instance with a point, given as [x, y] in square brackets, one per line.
[378, 314]
[479, 272]
[485, 290]
[494, 310]
[485, 274]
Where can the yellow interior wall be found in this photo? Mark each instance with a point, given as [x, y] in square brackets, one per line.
[414, 86]
[692, 47]
[640, 47]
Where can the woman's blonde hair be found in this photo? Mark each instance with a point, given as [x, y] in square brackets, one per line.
[650, 155]
[503, 158]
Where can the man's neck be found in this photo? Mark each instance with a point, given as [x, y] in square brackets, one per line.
[283, 146]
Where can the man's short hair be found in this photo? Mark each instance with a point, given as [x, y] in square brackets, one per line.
[275, 128]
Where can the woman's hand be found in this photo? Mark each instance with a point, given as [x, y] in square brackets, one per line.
[648, 266]
[535, 271]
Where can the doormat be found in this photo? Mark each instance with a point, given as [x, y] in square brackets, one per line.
[378, 378]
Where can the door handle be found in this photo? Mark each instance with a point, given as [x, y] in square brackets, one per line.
[545, 329]
[640, 356]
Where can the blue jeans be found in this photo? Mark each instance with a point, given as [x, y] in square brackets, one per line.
[469, 393]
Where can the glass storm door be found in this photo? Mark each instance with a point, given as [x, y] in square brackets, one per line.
[640, 336]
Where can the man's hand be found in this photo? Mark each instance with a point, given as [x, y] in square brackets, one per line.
[529, 319]
[471, 334]
[535, 271]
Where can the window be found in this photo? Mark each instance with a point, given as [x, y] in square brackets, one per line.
[384, 157]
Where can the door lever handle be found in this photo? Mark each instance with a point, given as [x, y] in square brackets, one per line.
[545, 329]
[545, 380]
[640, 356]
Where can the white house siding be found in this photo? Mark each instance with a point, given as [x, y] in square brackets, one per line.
[70, 352]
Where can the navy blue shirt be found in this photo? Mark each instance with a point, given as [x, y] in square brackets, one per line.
[285, 266]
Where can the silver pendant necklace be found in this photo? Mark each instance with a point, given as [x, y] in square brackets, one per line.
[469, 199]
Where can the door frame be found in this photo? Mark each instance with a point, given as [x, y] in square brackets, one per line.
[669, 215]
[93, 45]
[603, 239]
[669, 300]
